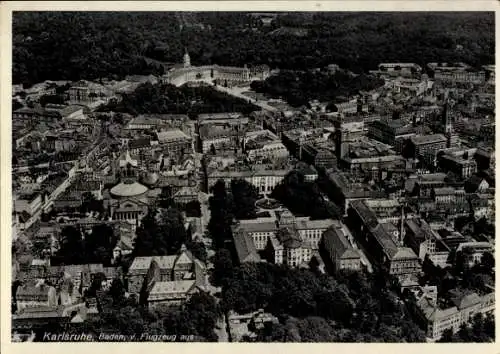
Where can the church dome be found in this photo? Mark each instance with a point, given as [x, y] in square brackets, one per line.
[128, 189]
[150, 178]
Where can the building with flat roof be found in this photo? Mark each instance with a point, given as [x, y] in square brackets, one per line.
[391, 131]
[427, 146]
[343, 189]
[463, 166]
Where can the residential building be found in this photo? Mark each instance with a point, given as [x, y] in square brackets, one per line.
[384, 241]
[157, 121]
[166, 280]
[174, 141]
[476, 184]
[462, 166]
[448, 195]
[473, 251]
[427, 146]
[244, 246]
[343, 189]
[391, 131]
[218, 137]
[186, 195]
[423, 184]
[318, 156]
[485, 158]
[28, 202]
[308, 171]
[229, 118]
[336, 242]
[460, 76]
[35, 294]
[172, 293]
[436, 320]
[386, 210]
[89, 92]
[424, 241]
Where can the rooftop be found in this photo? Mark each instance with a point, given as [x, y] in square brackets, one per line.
[444, 191]
[462, 302]
[169, 287]
[386, 241]
[245, 247]
[247, 173]
[257, 226]
[367, 215]
[216, 116]
[428, 139]
[128, 189]
[338, 234]
[170, 135]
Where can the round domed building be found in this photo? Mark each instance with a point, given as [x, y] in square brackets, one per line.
[128, 189]
[129, 198]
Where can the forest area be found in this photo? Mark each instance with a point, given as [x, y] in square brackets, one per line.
[298, 88]
[91, 45]
[166, 98]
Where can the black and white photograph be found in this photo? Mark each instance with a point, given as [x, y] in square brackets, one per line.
[252, 176]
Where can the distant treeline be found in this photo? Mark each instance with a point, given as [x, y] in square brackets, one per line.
[63, 45]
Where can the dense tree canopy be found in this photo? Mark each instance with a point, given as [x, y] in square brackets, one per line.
[480, 329]
[221, 215]
[90, 45]
[160, 235]
[71, 246]
[90, 203]
[99, 244]
[358, 305]
[245, 195]
[161, 99]
[94, 247]
[298, 88]
[303, 197]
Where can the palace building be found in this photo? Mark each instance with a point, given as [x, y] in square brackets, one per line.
[226, 75]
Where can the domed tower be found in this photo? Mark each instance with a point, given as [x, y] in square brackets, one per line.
[186, 59]
[150, 179]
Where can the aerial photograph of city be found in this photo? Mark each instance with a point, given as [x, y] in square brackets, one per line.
[253, 177]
